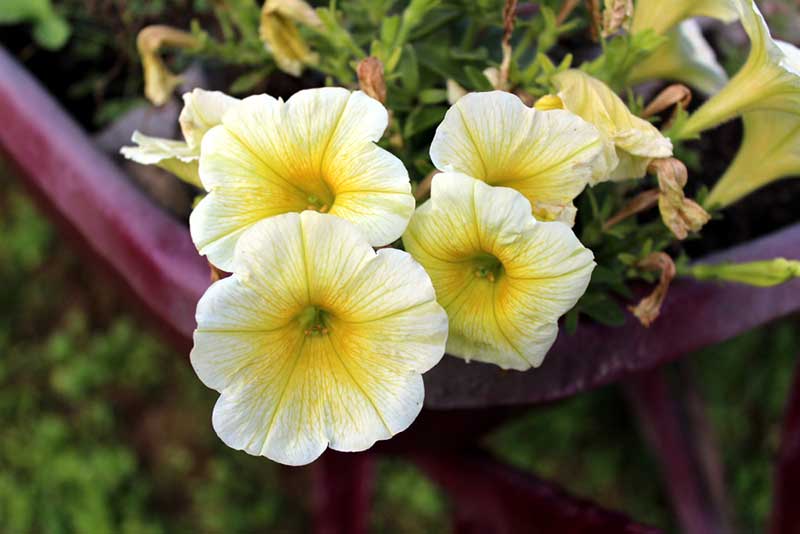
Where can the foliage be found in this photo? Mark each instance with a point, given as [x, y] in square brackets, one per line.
[49, 29]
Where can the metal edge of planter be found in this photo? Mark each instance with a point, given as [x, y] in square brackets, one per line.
[153, 256]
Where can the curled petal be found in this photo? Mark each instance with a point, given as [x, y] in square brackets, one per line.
[175, 157]
[635, 141]
[202, 110]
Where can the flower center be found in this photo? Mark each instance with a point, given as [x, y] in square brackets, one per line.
[488, 267]
[313, 321]
[319, 196]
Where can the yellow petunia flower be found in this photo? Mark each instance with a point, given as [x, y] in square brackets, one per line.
[281, 37]
[770, 150]
[503, 278]
[769, 79]
[685, 57]
[315, 151]
[201, 111]
[316, 340]
[547, 156]
[661, 16]
[636, 141]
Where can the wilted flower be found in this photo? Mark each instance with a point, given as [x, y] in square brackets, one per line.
[764, 273]
[680, 214]
[159, 82]
[503, 278]
[281, 36]
[370, 78]
[547, 156]
[636, 141]
[769, 80]
[685, 57]
[649, 308]
[315, 151]
[770, 150]
[660, 16]
[616, 15]
[201, 111]
[316, 340]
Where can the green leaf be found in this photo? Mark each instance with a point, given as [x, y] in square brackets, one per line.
[408, 69]
[423, 118]
[477, 80]
[603, 309]
[432, 96]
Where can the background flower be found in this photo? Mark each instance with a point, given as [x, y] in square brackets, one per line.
[503, 277]
[636, 141]
[316, 340]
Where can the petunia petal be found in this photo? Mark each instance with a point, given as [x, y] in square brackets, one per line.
[173, 156]
[202, 110]
[547, 156]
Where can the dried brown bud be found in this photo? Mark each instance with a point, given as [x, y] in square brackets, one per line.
[649, 308]
[677, 95]
[680, 214]
[617, 14]
[370, 78]
[509, 17]
[641, 202]
[597, 19]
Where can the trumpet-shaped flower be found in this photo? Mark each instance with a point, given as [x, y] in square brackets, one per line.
[159, 82]
[281, 36]
[315, 151]
[661, 16]
[685, 57]
[316, 340]
[636, 141]
[547, 156]
[201, 111]
[769, 79]
[770, 150]
[503, 278]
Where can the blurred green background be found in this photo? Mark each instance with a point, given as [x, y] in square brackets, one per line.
[87, 393]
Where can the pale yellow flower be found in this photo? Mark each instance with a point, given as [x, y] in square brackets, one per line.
[316, 340]
[547, 156]
[281, 36]
[769, 79]
[201, 111]
[661, 15]
[315, 151]
[503, 278]
[770, 150]
[685, 57]
[636, 141]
